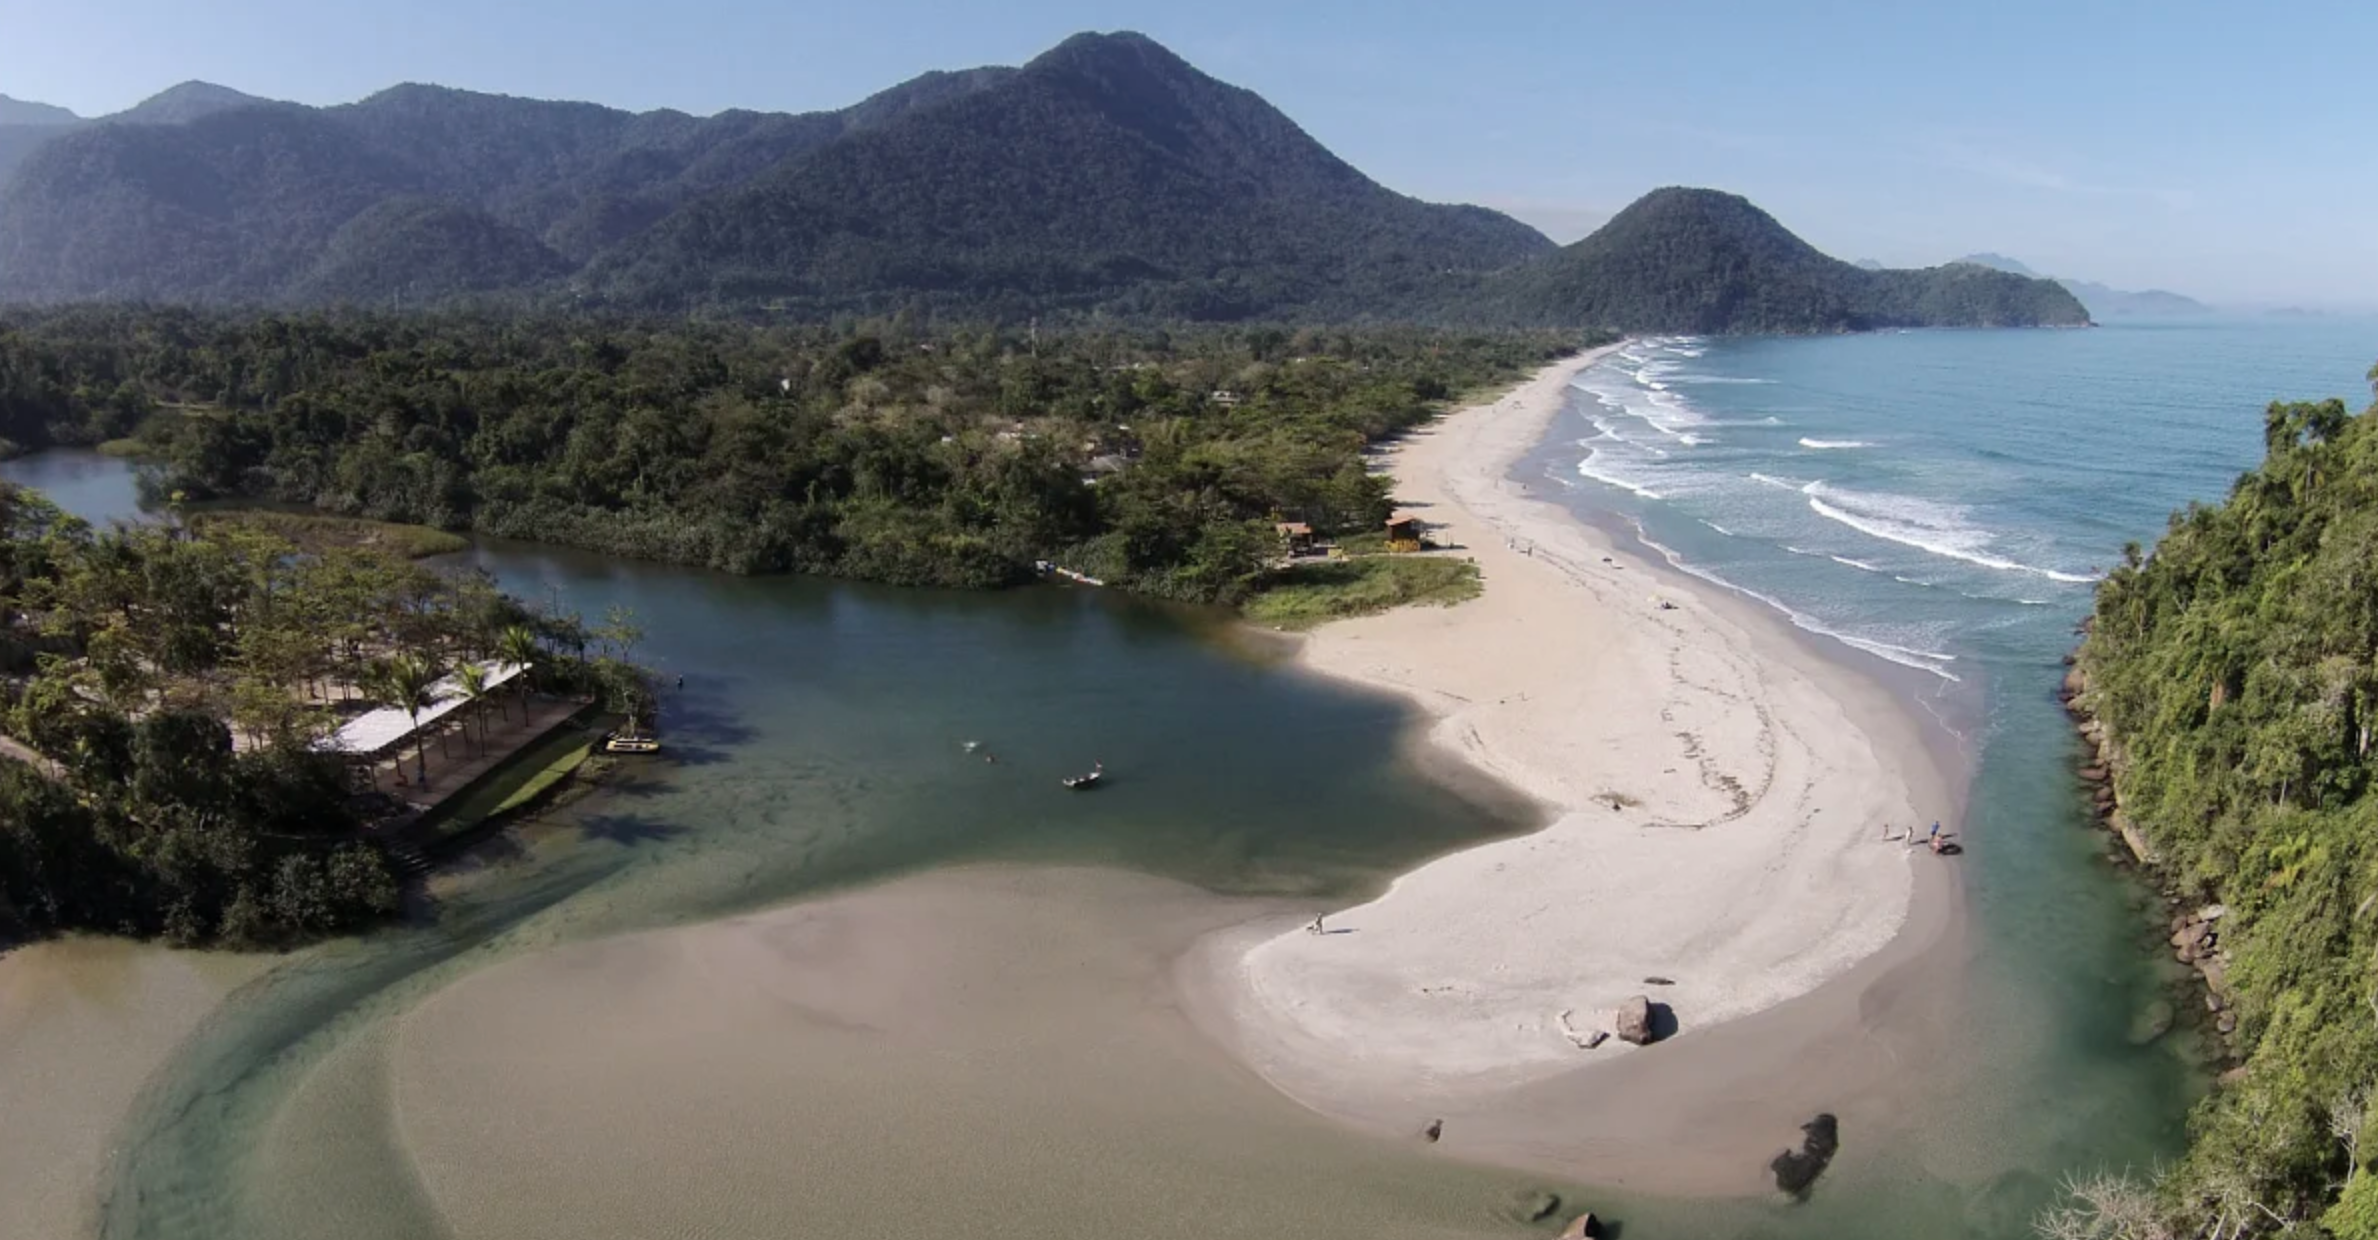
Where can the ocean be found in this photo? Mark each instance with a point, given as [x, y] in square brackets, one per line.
[1938, 506]
[1940, 499]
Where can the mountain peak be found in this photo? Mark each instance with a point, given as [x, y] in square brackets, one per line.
[179, 105]
[26, 112]
[1704, 261]
[1121, 47]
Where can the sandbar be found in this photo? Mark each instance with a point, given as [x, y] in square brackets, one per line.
[1717, 795]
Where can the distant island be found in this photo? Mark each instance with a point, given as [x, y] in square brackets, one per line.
[1106, 177]
[2102, 301]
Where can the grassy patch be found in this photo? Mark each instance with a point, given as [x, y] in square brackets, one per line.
[320, 531]
[1312, 594]
[126, 448]
[522, 779]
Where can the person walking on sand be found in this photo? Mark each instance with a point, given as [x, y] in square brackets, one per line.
[1934, 838]
[1316, 927]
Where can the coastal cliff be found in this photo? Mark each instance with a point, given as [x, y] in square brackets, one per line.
[2228, 687]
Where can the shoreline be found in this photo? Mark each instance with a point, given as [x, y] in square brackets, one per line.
[1714, 794]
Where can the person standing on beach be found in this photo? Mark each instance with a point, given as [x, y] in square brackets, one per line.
[1934, 838]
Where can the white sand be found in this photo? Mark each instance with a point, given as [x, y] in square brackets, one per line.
[1742, 858]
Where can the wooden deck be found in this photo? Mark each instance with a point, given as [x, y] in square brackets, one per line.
[454, 763]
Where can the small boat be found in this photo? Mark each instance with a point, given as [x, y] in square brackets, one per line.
[1083, 783]
[630, 742]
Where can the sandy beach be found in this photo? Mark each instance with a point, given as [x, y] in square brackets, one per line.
[1717, 796]
[83, 1025]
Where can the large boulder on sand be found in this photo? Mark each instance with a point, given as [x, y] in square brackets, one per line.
[1634, 1020]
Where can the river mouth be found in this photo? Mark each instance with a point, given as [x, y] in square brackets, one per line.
[404, 1085]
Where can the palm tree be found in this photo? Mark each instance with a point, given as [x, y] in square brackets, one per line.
[472, 677]
[404, 682]
[518, 645]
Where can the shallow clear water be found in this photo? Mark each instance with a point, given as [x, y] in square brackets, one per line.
[818, 744]
[1943, 500]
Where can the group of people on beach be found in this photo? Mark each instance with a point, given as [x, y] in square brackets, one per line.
[1935, 840]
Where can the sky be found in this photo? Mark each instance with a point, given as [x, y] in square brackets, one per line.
[2221, 151]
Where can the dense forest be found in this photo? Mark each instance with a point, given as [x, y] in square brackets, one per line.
[1702, 262]
[2236, 673]
[163, 692]
[1155, 460]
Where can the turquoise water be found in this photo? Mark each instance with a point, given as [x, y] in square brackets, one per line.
[1943, 501]
[817, 743]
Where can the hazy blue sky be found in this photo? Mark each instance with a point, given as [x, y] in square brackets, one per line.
[2221, 150]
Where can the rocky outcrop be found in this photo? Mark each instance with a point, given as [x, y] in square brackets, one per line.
[2195, 936]
[1796, 1171]
[1634, 1021]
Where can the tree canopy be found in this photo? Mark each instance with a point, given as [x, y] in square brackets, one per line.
[2236, 671]
[1155, 460]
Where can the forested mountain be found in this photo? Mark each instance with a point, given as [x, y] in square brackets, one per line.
[1705, 262]
[2235, 675]
[1105, 174]
[27, 112]
[1105, 177]
[2102, 301]
[26, 127]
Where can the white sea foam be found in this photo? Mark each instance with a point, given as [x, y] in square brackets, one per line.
[1780, 483]
[1860, 565]
[1933, 661]
[1827, 444]
[1598, 467]
[1941, 529]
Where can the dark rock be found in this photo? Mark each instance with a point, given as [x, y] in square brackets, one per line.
[1584, 1227]
[1541, 1206]
[1435, 1129]
[1796, 1171]
[1659, 981]
[1634, 1021]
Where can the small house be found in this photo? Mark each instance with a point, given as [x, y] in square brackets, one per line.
[1403, 532]
[1296, 537]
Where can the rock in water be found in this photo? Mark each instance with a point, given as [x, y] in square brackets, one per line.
[1634, 1020]
[1435, 1129]
[1797, 1172]
[2152, 1022]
